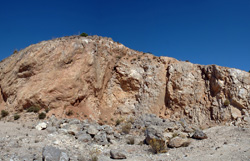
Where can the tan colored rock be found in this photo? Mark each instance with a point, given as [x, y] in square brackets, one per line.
[177, 142]
[100, 79]
[236, 113]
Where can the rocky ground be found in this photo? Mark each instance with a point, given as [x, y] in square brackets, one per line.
[29, 138]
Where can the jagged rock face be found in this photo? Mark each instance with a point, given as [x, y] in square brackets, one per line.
[102, 79]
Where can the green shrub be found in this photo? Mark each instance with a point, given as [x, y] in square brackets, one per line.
[42, 115]
[226, 103]
[16, 117]
[84, 34]
[4, 113]
[34, 109]
[158, 146]
[69, 112]
[249, 71]
[126, 128]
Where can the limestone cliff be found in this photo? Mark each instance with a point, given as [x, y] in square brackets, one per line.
[101, 79]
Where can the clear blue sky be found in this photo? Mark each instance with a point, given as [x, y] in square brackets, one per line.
[201, 31]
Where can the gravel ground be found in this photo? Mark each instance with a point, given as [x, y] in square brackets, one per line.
[20, 140]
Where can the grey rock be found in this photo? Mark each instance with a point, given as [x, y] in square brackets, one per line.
[151, 119]
[92, 130]
[108, 129]
[153, 132]
[101, 138]
[117, 154]
[84, 137]
[53, 120]
[63, 131]
[73, 129]
[51, 153]
[198, 134]
[51, 129]
[74, 121]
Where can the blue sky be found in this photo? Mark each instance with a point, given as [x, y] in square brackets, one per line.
[201, 31]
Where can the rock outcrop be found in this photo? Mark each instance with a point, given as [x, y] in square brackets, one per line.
[103, 80]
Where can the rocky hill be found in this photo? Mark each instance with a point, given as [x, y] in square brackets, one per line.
[104, 101]
[103, 80]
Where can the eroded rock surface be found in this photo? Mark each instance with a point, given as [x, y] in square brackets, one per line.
[95, 77]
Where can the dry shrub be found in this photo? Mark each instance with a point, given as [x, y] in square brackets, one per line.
[158, 146]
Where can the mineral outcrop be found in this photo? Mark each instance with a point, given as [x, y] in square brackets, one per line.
[97, 78]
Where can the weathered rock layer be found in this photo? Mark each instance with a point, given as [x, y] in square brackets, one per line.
[101, 79]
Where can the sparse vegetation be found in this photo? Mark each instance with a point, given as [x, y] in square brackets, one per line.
[15, 51]
[226, 103]
[131, 141]
[84, 34]
[4, 113]
[16, 116]
[34, 109]
[118, 57]
[47, 110]
[126, 128]
[94, 158]
[118, 122]
[131, 120]
[42, 115]
[157, 146]
[69, 112]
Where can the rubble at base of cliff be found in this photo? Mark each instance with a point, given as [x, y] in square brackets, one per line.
[144, 138]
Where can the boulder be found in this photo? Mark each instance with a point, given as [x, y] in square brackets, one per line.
[84, 137]
[51, 153]
[199, 134]
[177, 142]
[117, 154]
[236, 113]
[92, 130]
[41, 126]
[101, 138]
[51, 129]
[73, 129]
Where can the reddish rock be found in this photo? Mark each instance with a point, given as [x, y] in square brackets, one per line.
[98, 78]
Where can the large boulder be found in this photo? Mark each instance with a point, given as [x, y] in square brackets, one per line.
[177, 142]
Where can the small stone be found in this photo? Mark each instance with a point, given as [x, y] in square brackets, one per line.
[41, 126]
[117, 154]
[198, 134]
